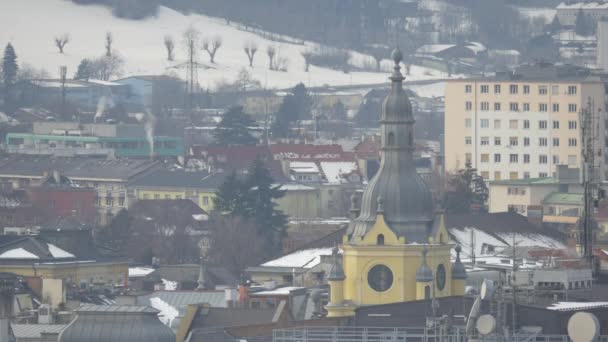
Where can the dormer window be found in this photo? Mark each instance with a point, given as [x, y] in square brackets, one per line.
[380, 240]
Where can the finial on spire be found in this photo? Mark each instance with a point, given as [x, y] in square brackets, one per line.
[380, 209]
[397, 58]
[397, 55]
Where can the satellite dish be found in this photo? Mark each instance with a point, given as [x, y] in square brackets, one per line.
[486, 324]
[487, 289]
[583, 327]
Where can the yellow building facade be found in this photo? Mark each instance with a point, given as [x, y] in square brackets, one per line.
[396, 248]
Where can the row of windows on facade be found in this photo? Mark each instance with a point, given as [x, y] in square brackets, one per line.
[109, 201]
[514, 158]
[514, 141]
[512, 175]
[514, 89]
[177, 197]
[514, 107]
[514, 124]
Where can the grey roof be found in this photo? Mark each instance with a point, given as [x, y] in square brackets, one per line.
[232, 317]
[407, 202]
[74, 167]
[116, 323]
[120, 169]
[544, 72]
[111, 309]
[36, 165]
[34, 330]
[179, 299]
[178, 178]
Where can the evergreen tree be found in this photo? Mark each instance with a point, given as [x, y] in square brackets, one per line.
[296, 106]
[284, 117]
[303, 102]
[269, 220]
[234, 128]
[230, 197]
[85, 70]
[9, 73]
[555, 25]
[467, 190]
[253, 200]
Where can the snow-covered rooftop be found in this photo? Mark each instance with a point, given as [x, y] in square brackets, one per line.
[583, 5]
[306, 258]
[281, 291]
[295, 187]
[570, 306]
[334, 170]
[18, 253]
[135, 272]
[463, 238]
[57, 252]
[169, 285]
[304, 167]
[167, 312]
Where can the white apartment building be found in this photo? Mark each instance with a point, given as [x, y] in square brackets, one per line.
[521, 124]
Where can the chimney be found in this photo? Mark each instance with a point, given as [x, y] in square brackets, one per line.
[244, 294]
[56, 177]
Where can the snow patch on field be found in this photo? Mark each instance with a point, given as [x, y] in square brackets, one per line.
[31, 25]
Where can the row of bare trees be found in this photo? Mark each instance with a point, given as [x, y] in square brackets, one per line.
[62, 40]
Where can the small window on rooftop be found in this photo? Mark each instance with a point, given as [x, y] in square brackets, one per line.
[380, 240]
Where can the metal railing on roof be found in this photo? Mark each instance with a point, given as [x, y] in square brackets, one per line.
[415, 334]
[364, 334]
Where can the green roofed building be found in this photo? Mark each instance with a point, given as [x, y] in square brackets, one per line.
[72, 139]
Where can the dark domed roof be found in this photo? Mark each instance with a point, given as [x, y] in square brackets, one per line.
[408, 205]
[116, 323]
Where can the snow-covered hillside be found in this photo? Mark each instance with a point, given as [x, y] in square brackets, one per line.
[31, 25]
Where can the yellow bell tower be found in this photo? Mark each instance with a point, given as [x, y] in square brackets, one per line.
[396, 248]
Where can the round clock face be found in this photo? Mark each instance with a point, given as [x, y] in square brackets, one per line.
[440, 277]
[380, 278]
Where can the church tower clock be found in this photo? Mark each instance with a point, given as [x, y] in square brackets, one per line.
[397, 248]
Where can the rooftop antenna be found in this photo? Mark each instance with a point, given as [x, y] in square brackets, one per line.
[589, 134]
[473, 247]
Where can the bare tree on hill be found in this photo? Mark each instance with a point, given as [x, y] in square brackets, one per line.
[212, 47]
[170, 46]
[307, 55]
[109, 41]
[271, 51]
[61, 41]
[250, 50]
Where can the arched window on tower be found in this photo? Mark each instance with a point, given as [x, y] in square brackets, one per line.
[380, 240]
[410, 139]
[427, 292]
[391, 139]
